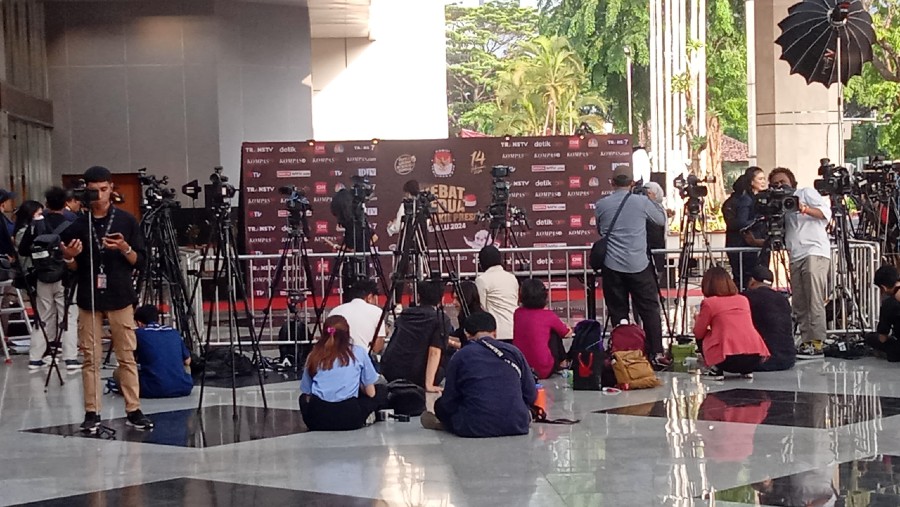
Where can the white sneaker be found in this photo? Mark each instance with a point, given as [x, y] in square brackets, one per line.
[810, 350]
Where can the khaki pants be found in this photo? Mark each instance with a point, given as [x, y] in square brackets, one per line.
[121, 326]
[809, 281]
[51, 308]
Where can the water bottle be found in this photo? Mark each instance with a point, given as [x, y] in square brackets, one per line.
[567, 377]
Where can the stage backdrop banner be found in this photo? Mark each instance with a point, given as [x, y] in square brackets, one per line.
[556, 182]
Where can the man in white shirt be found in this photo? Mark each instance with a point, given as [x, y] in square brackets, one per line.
[806, 238]
[362, 315]
[498, 290]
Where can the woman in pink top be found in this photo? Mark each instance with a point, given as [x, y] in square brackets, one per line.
[537, 331]
[724, 326]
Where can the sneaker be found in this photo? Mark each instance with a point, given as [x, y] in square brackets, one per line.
[91, 423]
[714, 374]
[748, 376]
[431, 422]
[73, 364]
[35, 365]
[138, 420]
[810, 350]
[660, 362]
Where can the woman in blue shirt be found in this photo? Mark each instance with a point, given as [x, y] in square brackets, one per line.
[337, 390]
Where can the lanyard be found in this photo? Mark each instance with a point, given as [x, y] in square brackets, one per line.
[96, 236]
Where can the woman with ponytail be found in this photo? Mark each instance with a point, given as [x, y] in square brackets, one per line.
[337, 390]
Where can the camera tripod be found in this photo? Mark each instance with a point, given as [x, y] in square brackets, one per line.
[505, 236]
[845, 305]
[163, 274]
[692, 214]
[226, 266]
[61, 326]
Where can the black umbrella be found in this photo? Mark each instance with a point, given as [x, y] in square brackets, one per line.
[810, 34]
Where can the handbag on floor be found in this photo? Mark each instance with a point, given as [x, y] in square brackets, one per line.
[632, 369]
[406, 398]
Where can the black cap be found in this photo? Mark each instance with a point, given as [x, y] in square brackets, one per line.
[5, 195]
[762, 274]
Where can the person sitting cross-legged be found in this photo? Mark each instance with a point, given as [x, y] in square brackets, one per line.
[338, 390]
[162, 357]
[489, 388]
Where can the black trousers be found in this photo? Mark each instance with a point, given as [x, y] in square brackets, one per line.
[557, 350]
[740, 363]
[642, 288]
[891, 348]
[350, 414]
[776, 364]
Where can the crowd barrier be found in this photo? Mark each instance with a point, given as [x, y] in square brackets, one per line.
[563, 268]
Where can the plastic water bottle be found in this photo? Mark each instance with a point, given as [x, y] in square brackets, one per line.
[567, 377]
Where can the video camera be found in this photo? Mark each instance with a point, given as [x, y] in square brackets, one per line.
[298, 207]
[691, 187]
[499, 212]
[772, 206]
[84, 194]
[221, 191]
[361, 189]
[835, 180]
[156, 192]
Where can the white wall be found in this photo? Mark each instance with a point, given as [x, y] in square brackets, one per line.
[391, 87]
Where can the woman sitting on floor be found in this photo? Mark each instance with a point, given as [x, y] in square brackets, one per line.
[338, 389]
[724, 326]
[538, 332]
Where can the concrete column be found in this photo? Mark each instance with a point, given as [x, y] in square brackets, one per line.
[796, 123]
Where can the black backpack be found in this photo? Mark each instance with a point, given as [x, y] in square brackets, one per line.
[591, 368]
[47, 256]
[218, 363]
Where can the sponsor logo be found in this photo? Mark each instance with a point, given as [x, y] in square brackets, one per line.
[367, 171]
[517, 195]
[513, 144]
[616, 165]
[321, 188]
[593, 143]
[543, 222]
[319, 149]
[283, 213]
[256, 214]
[261, 228]
[291, 161]
[287, 149]
[593, 221]
[261, 279]
[323, 266]
[547, 194]
[547, 155]
[594, 182]
[339, 148]
[442, 164]
[543, 183]
[542, 144]
[507, 156]
[521, 183]
[261, 241]
[293, 174]
[260, 293]
[361, 159]
[578, 154]
[336, 172]
[590, 167]
[581, 232]
[263, 149]
[476, 163]
[322, 199]
[574, 143]
[256, 161]
[615, 154]
[323, 160]
[552, 168]
[574, 181]
[576, 260]
[363, 147]
[557, 206]
[575, 221]
[259, 200]
[589, 206]
[405, 164]
[321, 227]
[549, 245]
[548, 234]
[258, 190]
[578, 193]
[372, 212]
[255, 174]
[543, 261]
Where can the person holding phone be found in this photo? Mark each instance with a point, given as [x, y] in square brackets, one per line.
[104, 247]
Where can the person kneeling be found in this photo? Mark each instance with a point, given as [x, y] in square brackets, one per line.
[482, 396]
[161, 356]
[725, 328]
[338, 391]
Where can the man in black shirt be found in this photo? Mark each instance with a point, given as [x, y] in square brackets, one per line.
[771, 313]
[885, 337]
[105, 247]
[418, 341]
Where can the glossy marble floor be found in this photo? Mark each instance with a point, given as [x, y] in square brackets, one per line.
[825, 434]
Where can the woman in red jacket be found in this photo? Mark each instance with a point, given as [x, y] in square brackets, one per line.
[724, 326]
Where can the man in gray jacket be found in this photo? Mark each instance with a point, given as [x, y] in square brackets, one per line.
[627, 271]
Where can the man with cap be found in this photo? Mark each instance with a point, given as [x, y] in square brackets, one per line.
[771, 314]
[626, 270]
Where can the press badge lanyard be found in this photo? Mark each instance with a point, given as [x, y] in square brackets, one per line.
[101, 276]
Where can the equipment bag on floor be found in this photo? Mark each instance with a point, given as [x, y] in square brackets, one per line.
[633, 370]
[591, 367]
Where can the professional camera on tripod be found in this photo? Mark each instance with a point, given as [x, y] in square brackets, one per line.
[835, 180]
[296, 203]
[878, 202]
[692, 189]
[501, 216]
[772, 206]
[221, 192]
[156, 191]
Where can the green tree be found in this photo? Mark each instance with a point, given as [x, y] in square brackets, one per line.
[542, 91]
[878, 87]
[726, 65]
[479, 41]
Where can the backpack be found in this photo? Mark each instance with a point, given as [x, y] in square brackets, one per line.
[218, 363]
[627, 337]
[629, 363]
[591, 368]
[47, 256]
[406, 398]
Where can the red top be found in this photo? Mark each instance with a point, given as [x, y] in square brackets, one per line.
[531, 335]
[726, 328]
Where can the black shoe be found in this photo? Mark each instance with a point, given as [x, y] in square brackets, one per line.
[91, 423]
[138, 420]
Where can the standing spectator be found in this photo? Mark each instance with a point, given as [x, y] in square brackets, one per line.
[539, 331]
[771, 314]
[806, 238]
[337, 390]
[885, 337]
[489, 388]
[7, 205]
[73, 206]
[724, 327]
[162, 356]
[627, 271]
[51, 285]
[419, 340]
[104, 247]
[362, 315]
[740, 217]
[498, 290]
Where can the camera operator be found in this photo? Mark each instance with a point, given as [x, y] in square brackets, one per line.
[627, 271]
[809, 247]
[410, 191]
[740, 214]
[110, 241]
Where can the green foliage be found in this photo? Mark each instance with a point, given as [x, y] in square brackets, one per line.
[479, 41]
